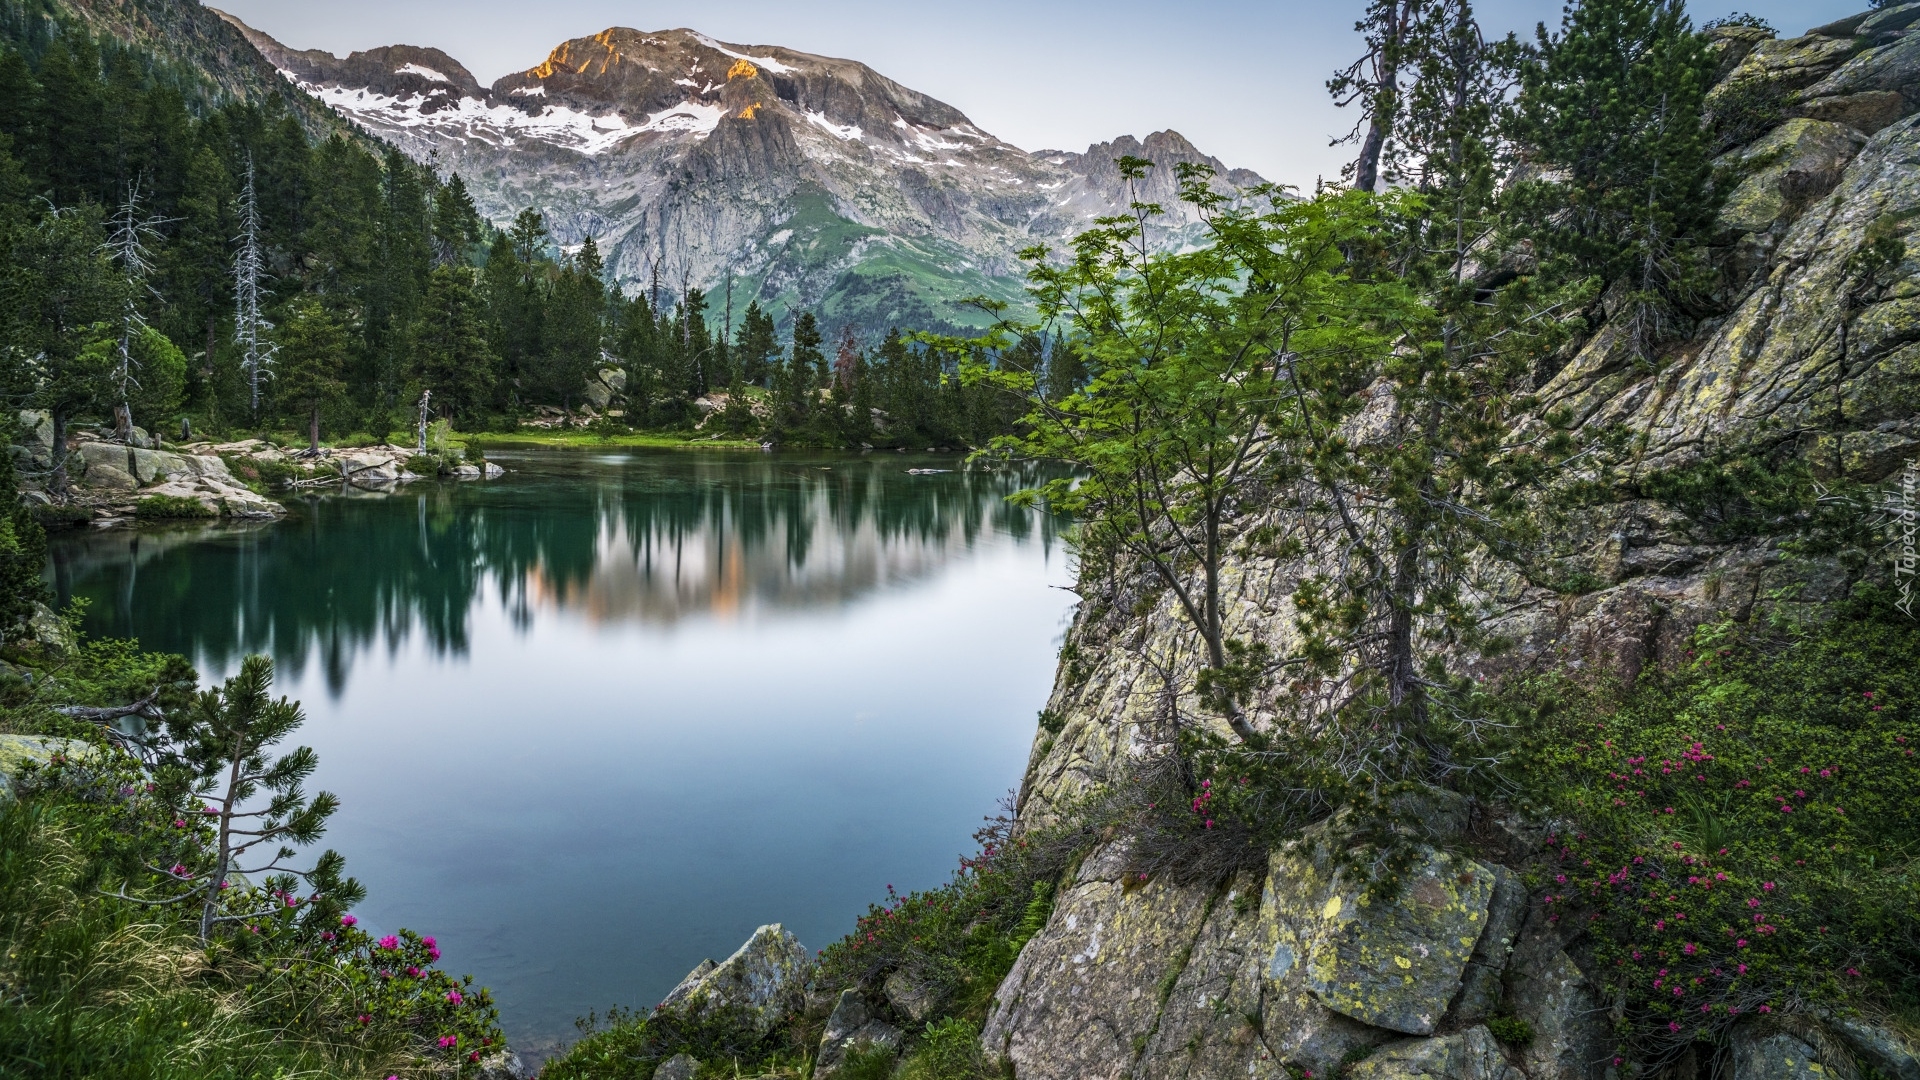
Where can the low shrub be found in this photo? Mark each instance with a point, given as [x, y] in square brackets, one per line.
[262, 475]
[165, 507]
[1742, 839]
[958, 941]
[1510, 1030]
[58, 515]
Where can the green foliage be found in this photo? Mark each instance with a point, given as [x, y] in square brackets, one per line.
[161, 507]
[625, 1043]
[1743, 840]
[949, 1050]
[1745, 110]
[960, 940]
[261, 474]
[1510, 1030]
[1615, 101]
[312, 360]
[1735, 495]
[105, 970]
[23, 544]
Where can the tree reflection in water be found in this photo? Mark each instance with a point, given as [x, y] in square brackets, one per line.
[653, 538]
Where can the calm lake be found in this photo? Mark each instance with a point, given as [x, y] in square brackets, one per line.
[597, 720]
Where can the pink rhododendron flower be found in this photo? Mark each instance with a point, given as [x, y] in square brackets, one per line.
[348, 920]
[454, 996]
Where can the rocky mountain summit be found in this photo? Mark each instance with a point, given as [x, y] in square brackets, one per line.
[753, 171]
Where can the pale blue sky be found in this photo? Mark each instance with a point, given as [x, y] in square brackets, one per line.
[1243, 80]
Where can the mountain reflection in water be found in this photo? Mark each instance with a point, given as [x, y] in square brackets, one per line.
[645, 538]
[597, 720]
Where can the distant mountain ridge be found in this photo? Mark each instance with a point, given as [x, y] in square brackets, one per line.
[750, 171]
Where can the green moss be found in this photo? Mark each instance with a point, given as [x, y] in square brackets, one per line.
[1511, 1030]
[164, 507]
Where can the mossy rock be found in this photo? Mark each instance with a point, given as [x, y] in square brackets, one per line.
[1389, 954]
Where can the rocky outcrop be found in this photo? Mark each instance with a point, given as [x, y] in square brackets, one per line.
[764, 981]
[1298, 970]
[21, 753]
[852, 1026]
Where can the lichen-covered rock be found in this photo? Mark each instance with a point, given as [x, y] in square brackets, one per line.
[677, 1067]
[1468, 1055]
[685, 986]
[20, 752]
[765, 980]
[1788, 63]
[1804, 160]
[1480, 982]
[1101, 991]
[1888, 21]
[1773, 1056]
[1894, 66]
[1883, 1048]
[1393, 961]
[850, 1027]
[1867, 111]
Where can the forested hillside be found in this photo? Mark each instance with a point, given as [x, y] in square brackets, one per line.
[178, 255]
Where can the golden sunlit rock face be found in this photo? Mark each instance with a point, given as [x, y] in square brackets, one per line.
[741, 70]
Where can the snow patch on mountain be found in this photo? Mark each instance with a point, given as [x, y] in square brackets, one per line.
[467, 118]
[423, 72]
[838, 131]
[766, 62]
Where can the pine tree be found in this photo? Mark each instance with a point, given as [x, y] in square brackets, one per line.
[574, 327]
[449, 346]
[131, 231]
[313, 357]
[1615, 101]
[1373, 82]
[756, 346]
[456, 224]
[195, 266]
[59, 296]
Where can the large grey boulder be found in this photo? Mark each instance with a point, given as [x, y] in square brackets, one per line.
[1392, 961]
[1468, 1055]
[765, 979]
[1135, 978]
[1773, 1056]
[107, 466]
[852, 1026]
[1480, 983]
